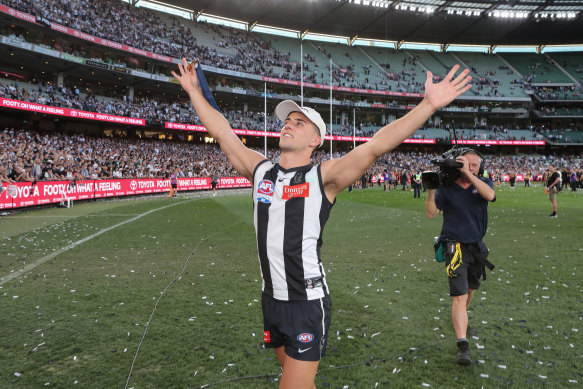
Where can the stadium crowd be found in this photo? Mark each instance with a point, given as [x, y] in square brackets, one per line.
[247, 52]
[28, 156]
[231, 49]
[32, 156]
[156, 112]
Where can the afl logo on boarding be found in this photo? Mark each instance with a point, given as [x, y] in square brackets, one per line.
[305, 337]
[265, 191]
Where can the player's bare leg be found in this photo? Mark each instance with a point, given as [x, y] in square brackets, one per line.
[296, 374]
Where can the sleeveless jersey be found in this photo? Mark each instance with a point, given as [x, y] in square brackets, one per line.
[290, 211]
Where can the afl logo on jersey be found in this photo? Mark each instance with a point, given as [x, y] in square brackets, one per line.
[265, 191]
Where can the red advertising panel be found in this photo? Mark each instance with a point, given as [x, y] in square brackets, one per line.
[501, 142]
[343, 138]
[74, 113]
[519, 177]
[24, 194]
[233, 182]
[17, 14]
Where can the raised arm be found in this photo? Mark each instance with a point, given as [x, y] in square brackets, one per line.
[243, 159]
[340, 173]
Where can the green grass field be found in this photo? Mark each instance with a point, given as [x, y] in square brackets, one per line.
[171, 298]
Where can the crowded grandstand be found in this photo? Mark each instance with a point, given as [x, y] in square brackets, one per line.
[85, 99]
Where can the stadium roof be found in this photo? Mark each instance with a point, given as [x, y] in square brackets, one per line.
[483, 22]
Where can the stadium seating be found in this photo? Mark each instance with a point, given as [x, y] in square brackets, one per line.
[572, 63]
[538, 68]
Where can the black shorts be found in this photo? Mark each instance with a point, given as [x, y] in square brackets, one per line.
[467, 275]
[301, 326]
[174, 186]
[213, 185]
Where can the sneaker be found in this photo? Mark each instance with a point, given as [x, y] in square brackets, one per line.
[463, 353]
[552, 215]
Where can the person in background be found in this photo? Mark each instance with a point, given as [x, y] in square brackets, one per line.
[464, 204]
[553, 187]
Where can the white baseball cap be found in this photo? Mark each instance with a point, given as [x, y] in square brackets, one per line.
[286, 107]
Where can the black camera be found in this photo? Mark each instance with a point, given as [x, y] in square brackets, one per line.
[448, 168]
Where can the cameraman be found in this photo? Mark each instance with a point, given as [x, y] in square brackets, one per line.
[465, 217]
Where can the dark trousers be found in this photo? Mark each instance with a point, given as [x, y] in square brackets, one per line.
[416, 190]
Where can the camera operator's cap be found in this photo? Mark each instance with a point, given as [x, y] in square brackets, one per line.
[286, 107]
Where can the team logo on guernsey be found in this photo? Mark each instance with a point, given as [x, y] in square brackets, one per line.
[265, 191]
[305, 337]
[302, 190]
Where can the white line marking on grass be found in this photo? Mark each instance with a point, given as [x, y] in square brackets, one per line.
[156, 306]
[46, 258]
[71, 216]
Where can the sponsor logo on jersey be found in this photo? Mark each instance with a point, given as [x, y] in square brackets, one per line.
[301, 190]
[305, 337]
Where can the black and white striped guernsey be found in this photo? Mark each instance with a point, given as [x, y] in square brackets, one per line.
[290, 211]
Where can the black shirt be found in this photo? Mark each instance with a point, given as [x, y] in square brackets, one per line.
[552, 178]
[465, 212]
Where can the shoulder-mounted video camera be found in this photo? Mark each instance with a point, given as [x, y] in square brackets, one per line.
[448, 168]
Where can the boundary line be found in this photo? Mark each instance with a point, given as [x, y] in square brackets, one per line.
[46, 258]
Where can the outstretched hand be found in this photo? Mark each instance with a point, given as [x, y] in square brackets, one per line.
[446, 91]
[187, 78]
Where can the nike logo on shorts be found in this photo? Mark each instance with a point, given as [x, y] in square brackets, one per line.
[304, 350]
